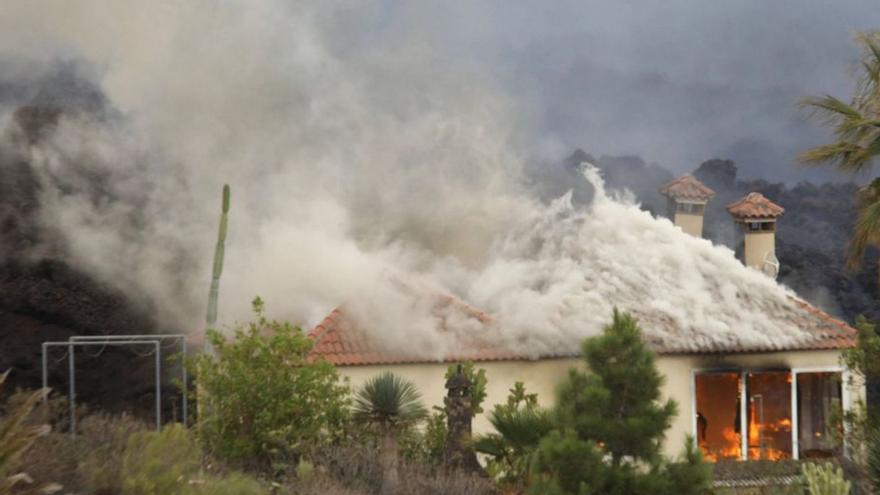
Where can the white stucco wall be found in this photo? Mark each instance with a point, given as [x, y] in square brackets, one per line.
[542, 377]
[690, 223]
[757, 246]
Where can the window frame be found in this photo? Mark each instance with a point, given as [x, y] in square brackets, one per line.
[846, 399]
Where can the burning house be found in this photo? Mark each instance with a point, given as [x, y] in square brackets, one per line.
[758, 376]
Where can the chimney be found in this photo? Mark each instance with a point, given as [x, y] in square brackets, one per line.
[686, 203]
[755, 217]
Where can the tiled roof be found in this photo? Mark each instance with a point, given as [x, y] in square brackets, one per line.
[687, 187]
[821, 331]
[755, 205]
[341, 342]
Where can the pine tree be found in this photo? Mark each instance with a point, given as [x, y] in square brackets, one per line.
[613, 413]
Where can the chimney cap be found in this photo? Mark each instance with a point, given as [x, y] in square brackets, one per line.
[687, 187]
[755, 205]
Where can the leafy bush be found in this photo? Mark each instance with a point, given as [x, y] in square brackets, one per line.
[428, 444]
[261, 400]
[477, 377]
[159, 463]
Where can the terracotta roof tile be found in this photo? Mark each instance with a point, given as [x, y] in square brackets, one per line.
[340, 342]
[687, 187]
[755, 205]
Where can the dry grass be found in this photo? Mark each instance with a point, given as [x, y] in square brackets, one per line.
[354, 469]
[90, 463]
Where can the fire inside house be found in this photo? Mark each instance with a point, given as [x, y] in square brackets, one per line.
[783, 412]
[739, 398]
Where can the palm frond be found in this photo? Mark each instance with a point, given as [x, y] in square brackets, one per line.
[388, 399]
[856, 125]
[491, 444]
[867, 228]
[521, 428]
[830, 107]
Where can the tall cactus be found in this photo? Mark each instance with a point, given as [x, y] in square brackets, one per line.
[218, 260]
[825, 480]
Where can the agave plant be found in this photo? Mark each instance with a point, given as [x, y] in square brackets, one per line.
[16, 436]
[390, 403]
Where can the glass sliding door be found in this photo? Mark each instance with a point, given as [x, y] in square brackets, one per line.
[769, 415]
[819, 397]
[718, 415]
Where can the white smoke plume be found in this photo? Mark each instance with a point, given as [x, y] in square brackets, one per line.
[357, 173]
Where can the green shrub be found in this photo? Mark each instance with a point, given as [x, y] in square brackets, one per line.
[428, 444]
[102, 445]
[231, 484]
[613, 418]
[261, 400]
[477, 377]
[825, 479]
[159, 463]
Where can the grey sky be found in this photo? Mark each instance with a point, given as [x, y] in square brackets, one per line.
[675, 81]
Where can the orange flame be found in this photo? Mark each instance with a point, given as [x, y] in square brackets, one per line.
[759, 439]
[732, 448]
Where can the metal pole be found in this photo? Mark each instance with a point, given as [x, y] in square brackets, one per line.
[149, 337]
[45, 382]
[72, 372]
[71, 345]
[185, 384]
[158, 388]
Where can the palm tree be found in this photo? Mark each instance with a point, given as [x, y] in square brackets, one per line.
[519, 431]
[520, 424]
[856, 147]
[389, 403]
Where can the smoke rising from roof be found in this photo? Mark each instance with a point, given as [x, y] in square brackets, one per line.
[358, 171]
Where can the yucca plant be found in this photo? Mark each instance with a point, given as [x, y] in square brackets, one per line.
[390, 403]
[16, 436]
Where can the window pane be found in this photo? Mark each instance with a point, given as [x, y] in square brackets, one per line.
[718, 419]
[769, 414]
[819, 395]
